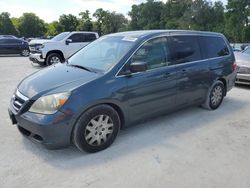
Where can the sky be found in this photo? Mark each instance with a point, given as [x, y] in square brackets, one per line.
[50, 10]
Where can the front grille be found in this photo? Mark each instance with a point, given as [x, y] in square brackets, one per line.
[242, 80]
[18, 101]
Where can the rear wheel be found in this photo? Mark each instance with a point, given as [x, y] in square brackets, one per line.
[53, 58]
[215, 96]
[96, 129]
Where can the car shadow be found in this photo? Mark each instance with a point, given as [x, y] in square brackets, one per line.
[11, 55]
[242, 86]
[135, 139]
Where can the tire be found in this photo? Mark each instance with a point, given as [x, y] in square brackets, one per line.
[53, 58]
[93, 127]
[215, 96]
[25, 53]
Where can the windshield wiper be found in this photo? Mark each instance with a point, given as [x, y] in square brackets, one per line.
[82, 67]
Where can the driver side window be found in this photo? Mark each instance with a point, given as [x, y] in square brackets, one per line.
[78, 37]
[153, 52]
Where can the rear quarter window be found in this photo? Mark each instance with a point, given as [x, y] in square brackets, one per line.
[213, 46]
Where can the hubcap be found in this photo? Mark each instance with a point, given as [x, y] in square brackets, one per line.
[217, 94]
[98, 130]
[54, 60]
[25, 52]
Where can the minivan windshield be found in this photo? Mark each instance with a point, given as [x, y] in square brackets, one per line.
[60, 36]
[103, 53]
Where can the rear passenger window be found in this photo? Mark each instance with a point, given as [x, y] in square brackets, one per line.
[213, 46]
[184, 49]
[89, 37]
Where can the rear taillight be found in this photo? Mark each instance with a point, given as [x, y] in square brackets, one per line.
[234, 66]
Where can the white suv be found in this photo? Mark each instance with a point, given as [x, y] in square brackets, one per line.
[59, 48]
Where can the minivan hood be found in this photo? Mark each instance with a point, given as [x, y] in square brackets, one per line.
[57, 78]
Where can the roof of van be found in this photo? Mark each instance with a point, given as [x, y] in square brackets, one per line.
[144, 33]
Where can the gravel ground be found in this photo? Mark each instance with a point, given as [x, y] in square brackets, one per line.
[190, 148]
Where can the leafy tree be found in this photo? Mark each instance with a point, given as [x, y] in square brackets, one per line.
[53, 28]
[246, 34]
[100, 16]
[6, 25]
[237, 18]
[146, 15]
[68, 23]
[31, 25]
[85, 23]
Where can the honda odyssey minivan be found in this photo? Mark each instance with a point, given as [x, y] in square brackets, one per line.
[120, 79]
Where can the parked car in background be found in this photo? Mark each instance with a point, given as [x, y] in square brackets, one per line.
[121, 79]
[8, 36]
[14, 46]
[243, 66]
[59, 48]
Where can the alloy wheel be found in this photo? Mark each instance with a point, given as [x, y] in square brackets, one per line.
[217, 95]
[99, 130]
[54, 60]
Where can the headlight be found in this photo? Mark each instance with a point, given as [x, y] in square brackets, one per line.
[49, 104]
[38, 47]
[243, 70]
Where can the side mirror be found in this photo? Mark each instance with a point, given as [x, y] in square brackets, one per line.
[138, 66]
[68, 41]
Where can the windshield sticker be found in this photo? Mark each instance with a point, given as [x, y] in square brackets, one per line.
[130, 39]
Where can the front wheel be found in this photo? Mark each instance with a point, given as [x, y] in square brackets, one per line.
[25, 52]
[96, 129]
[215, 96]
[53, 58]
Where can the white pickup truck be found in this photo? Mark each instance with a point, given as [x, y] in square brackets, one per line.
[59, 48]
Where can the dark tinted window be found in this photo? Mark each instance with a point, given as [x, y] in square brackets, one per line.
[7, 41]
[2, 41]
[213, 46]
[14, 41]
[89, 37]
[184, 49]
[153, 52]
[78, 37]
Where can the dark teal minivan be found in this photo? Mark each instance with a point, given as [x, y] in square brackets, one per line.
[120, 79]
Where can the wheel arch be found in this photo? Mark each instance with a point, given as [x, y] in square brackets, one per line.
[57, 52]
[223, 80]
[114, 105]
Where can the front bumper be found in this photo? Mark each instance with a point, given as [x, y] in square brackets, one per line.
[243, 79]
[36, 58]
[52, 131]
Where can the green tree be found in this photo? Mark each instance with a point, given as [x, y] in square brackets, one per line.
[68, 23]
[6, 25]
[100, 16]
[246, 34]
[236, 19]
[85, 23]
[31, 25]
[146, 15]
[53, 28]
